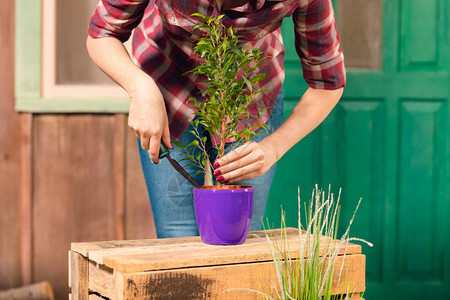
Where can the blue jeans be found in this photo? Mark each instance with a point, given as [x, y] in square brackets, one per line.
[171, 196]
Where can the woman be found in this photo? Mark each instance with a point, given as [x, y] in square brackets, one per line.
[162, 52]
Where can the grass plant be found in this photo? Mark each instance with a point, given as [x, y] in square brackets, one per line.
[311, 278]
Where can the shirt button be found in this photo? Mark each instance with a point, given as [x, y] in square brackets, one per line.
[173, 20]
[261, 35]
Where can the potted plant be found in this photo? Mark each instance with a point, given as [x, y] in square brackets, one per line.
[228, 90]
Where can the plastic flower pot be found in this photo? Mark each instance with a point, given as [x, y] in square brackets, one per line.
[223, 215]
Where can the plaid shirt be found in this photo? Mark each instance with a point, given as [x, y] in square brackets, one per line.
[165, 35]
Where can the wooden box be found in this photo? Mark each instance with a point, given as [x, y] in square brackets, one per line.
[186, 268]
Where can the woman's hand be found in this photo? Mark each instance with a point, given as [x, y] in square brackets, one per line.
[245, 162]
[148, 117]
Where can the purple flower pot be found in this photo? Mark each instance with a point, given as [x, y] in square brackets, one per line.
[223, 216]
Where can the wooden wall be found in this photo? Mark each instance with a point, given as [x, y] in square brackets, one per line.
[63, 178]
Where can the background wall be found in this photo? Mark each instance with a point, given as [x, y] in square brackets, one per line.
[63, 178]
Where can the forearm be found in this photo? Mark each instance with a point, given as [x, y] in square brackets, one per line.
[310, 111]
[111, 56]
[147, 114]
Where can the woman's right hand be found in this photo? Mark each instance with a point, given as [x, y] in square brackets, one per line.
[148, 117]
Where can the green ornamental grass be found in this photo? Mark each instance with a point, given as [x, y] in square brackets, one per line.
[311, 278]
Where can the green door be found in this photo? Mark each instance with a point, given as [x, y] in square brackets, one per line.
[387, 141]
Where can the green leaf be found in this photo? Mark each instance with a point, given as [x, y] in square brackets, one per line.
[193, 143]
[178, 144]
[191, 165]
[198, 15]
[230, 75]
[248, 83]
[230, 32]
[198, 172]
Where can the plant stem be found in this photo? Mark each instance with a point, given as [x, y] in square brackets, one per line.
[222, 142]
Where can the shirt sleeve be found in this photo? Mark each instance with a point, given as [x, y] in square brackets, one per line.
[116, 18]
[317, 44]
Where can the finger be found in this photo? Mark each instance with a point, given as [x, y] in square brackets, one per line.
[145, 141]
[154, 148]
[245, 173]
[243, 178]
[240, 163]
[166, 137]
[235, 154]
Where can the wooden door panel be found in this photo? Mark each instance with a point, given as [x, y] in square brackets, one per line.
[422, 35]
[387, 141]
[352, 158]
[419, 206]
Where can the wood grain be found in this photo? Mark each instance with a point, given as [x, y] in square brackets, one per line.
[73, 189]
[79, 274]
[26, 161]
[227, 282]
[38, 291]
[214, 282]
[139, 218]
[119, 176]
[186, 268]
[101, 279]
[10, 156]
[135, 256]
[119, 286]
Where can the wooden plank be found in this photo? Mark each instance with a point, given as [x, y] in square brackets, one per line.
[38, 291]
[80, 276]
[119, 286]
[225, 282]
[119, 176]
[11, 272]
[69, 263]
[160, 257]
[73, 189]
[138, 214]
[85, 247]
[164, 253]
[26, 121]
[101, 279]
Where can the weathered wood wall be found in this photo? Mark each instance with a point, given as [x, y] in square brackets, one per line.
[63, 178]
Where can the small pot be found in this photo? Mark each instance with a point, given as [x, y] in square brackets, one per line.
[223, 216]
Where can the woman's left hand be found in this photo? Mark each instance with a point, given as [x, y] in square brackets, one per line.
[245, 162]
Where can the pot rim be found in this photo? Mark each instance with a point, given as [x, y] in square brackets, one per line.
[229, 187]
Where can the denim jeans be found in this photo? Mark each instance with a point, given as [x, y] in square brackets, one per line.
[171, 195]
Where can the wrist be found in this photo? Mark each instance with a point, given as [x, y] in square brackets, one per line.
[270, 144]
[139, 82]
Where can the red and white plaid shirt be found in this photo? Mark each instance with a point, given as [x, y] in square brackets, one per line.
[165, 35]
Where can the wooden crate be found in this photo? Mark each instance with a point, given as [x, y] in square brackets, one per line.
[186, 268]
